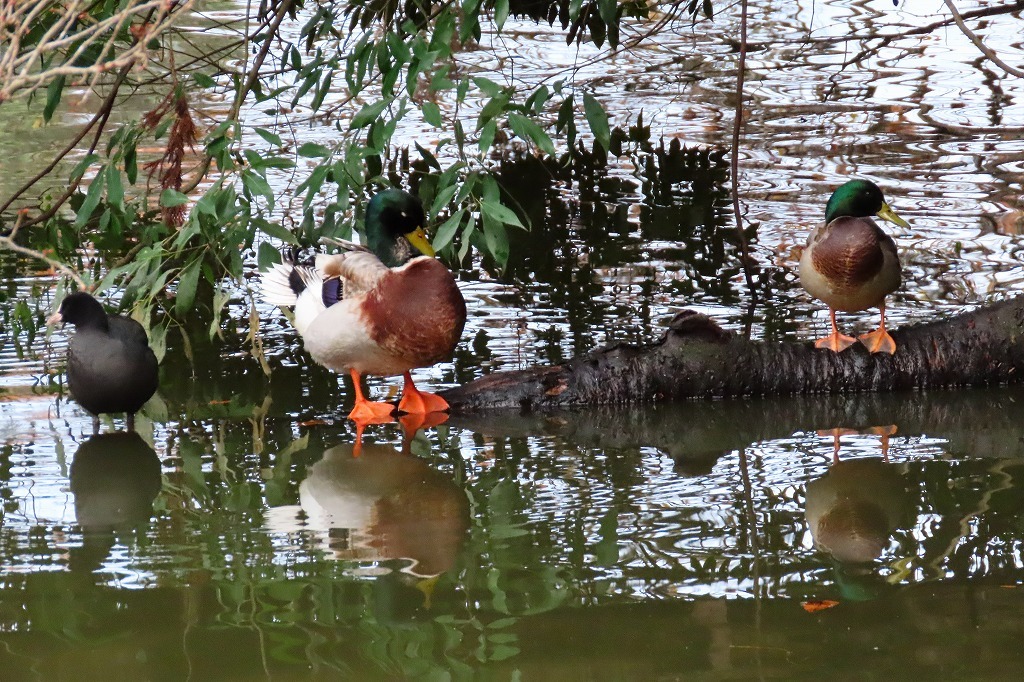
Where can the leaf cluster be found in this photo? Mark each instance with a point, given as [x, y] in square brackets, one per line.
[177, 232]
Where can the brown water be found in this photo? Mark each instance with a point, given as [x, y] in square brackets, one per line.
[238, 538]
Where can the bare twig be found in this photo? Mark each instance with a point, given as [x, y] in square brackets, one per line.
[99, 122]
[67, 47]
[8, 242]
[737, 128]
[985, 50]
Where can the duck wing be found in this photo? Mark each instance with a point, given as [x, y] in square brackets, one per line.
[359, 271]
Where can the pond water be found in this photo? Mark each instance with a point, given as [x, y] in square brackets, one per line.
[238, 537]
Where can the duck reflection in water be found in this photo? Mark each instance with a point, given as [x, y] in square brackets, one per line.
[373, 502]
[114, 479]
[857, 504]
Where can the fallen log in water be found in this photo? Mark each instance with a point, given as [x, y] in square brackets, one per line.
[698, 359]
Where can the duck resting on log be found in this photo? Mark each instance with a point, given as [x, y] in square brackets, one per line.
[696, 358]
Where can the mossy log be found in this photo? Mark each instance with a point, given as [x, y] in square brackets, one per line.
[696, 358]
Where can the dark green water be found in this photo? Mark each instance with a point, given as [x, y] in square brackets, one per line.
[238, 538]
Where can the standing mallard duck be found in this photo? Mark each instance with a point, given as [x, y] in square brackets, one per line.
[380, 310]
[850, 264]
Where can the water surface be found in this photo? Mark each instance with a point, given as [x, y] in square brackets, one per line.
[238, 537]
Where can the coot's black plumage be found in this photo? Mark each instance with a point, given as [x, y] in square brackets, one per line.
[111, 368]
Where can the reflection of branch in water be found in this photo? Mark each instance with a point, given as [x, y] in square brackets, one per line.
[1005, 482]
[697, 434]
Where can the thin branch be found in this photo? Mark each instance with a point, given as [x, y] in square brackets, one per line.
[737, 128]
[73, 37]
[243, 92]
[885, 40]
[985, 50]
[101, 119]
[8, 242]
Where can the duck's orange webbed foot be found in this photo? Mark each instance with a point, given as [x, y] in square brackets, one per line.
[368, 411]
[835, 342]
[878, 341]
[411, 423]
[415, 401]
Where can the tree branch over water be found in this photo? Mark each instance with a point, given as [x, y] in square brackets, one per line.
[88, 45]
[985, 50]
[698, 359]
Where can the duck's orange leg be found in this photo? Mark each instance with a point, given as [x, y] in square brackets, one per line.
[884, 432]
[835, 341]
[879, 341]
[415, 401]
[367, 411]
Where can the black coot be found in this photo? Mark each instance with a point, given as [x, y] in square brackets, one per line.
[111, 368]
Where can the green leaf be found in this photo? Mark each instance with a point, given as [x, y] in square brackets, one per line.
[79, 170]
[158, 341]
[207, 204]
[495, 106]
[487, 86]
[443, 197]
[427, 156]
[131, 166]
[115, 188]
[188, 281]
[500, 213]
[203, 81]
[608, 9]
[467, 233]
[597, 118]
[536, 101]
[496, 238]
[312, 150]
[487, 134]
[92, 200]
[432, 114]
[447, 231]
[321, 92]
[467, 187]
[279, 232]
[528, 130]
[53, 94]
[266, 256]
[257, 185]
[500, 13]
[170, 198]
[368, 114]
[272, 138]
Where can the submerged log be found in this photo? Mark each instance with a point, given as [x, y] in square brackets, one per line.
[698, 359]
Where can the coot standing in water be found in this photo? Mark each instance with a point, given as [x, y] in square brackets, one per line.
[111, 368]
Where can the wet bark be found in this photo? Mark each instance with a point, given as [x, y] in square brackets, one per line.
[697, 359]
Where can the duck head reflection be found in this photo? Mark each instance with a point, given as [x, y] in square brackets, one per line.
[373, 502]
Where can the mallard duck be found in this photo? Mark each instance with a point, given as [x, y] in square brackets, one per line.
[380, 310]
[850, 264]
[111, 368]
